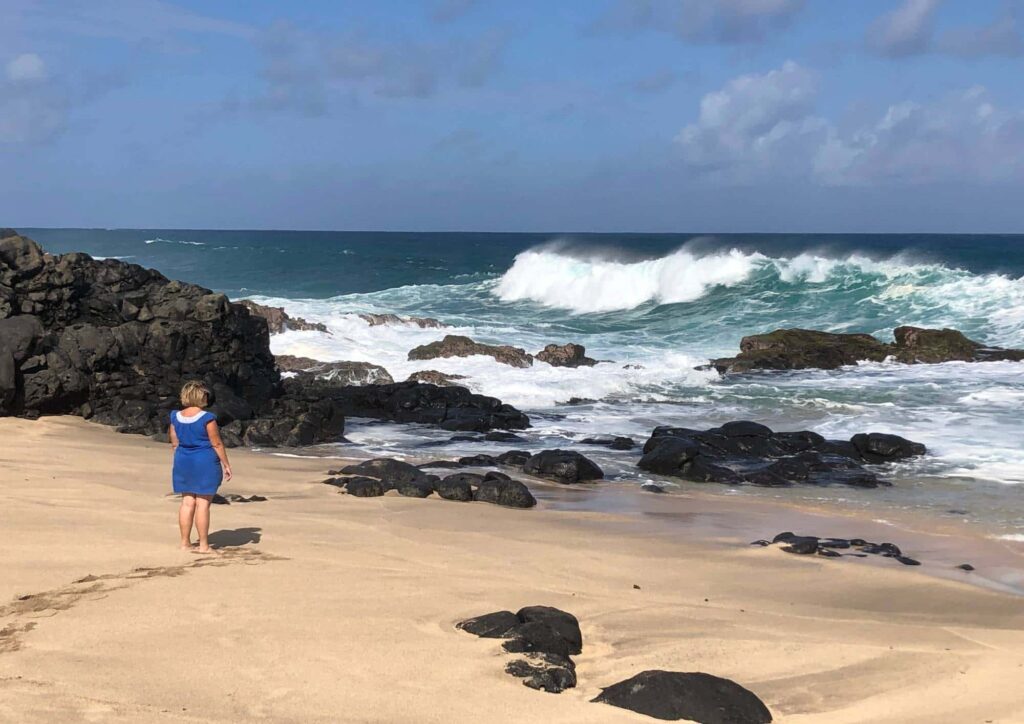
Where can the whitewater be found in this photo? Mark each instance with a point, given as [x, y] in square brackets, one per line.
[653, 311]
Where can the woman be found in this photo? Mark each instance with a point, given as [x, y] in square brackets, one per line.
[200, 462]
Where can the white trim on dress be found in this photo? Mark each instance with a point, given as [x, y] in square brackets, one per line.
[186, 419]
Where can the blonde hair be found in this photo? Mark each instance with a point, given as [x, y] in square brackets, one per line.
[195, 394]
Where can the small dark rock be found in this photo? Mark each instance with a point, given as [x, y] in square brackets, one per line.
[907, 561]
[653, 488]
[965, 567]
[543, 677]
[699, 697]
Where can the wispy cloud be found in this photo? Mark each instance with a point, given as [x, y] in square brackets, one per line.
[446, 11]
[702, 21]
[304, 71]
[909, 29]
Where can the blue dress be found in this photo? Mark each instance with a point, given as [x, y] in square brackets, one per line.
[196, 465]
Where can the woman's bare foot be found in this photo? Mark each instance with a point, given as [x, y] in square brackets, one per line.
[187, 546]
[200, 549]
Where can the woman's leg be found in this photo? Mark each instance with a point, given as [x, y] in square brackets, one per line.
[186, 513]
[203, 522]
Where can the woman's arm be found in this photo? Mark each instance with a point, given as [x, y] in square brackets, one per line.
[213, 430]
[174, 438]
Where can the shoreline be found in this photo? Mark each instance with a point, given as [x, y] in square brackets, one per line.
[733, 516]
[324, 607]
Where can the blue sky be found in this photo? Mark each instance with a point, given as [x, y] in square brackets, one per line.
[604, 115]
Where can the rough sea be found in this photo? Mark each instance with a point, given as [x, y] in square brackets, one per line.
[654, 307]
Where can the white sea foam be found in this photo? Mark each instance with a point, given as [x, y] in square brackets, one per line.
[174, 241]
[650, 375]
[1015, 537]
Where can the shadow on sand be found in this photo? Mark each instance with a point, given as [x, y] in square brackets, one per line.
[236, 537]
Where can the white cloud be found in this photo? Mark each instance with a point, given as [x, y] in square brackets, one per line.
[751, 121]
[26, 68]
[961, 136]
[764, 126]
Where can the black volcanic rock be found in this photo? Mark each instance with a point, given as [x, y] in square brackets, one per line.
[565, 355]
[613, 443]
[114, 342]
[672, 695]
[509, 493]
[748, 452]
[338, 372]
[451, 408]
[278, 320]
[458, 486]
[454, 345]
[565, 466]
[546, 637]
[433, 377]
[387, 469]
[794, 349]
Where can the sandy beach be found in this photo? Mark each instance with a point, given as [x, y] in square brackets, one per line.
[324, 607]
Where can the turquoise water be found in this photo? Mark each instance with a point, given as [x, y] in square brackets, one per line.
[655, 307]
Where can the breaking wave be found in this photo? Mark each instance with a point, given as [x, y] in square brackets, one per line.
[818, 290]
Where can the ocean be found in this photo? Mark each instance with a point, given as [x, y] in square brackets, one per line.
[654, 308]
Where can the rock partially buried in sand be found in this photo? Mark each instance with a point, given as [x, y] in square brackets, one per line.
[458, 487]
[509, 493]
[545, 636]
[565, 466]
[830, 547]
[387, 469]
[362, 487]
[219, 499]
[454, 345]
[375, 477]
[544, 672]
[699, 697]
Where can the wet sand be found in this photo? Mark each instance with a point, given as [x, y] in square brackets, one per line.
[324, 607]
